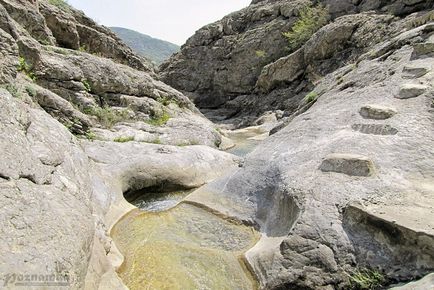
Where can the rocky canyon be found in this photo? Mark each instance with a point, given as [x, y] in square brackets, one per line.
[289, 145]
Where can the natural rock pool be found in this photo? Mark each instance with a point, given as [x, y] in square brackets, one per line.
[168, 244]
[185, 247]
[245, 140]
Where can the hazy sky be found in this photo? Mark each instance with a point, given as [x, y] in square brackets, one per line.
[171, 20]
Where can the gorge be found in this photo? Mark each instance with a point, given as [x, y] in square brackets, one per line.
[242, 162]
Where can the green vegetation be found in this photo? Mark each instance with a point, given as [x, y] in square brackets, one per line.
[154, 49]
[61, 4]
[311, 20]
[165, 101]
[31, 91]
[155, 141]
[311, 97]
[24, 67]
[86, 85]
[13, 90]
[108, 117]
[367, 279]
[159, 120]
[124, 139]
[260, 53]
[90, 136]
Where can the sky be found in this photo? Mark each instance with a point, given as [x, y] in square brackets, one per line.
[171, 20]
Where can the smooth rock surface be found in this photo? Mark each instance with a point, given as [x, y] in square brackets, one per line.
[299, 209]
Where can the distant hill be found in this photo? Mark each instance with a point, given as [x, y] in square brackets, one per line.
[154, 49]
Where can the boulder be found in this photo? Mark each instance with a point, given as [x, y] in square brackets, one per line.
[350, 164]
[377, 112]
[408, 91]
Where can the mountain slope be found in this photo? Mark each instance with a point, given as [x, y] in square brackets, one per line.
[152, 48]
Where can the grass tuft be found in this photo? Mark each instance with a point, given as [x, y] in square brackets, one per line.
[25, 68]
[108, 117]
[311, 97]
[124, 139]
[367, 279]
[159, 120]
[61, 4]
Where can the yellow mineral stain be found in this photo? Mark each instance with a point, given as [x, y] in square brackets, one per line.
[185, 247]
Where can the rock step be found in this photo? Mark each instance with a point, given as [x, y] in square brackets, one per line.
[377, 112]
[414, 71]
[349, 164]
[375, 129]
[388, 237]
[426, 282]
[408, 91]
[425, 49]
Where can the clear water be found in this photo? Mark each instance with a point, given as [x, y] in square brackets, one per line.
[183, 248]
[158, 201]
[172, 245]
[243, 142]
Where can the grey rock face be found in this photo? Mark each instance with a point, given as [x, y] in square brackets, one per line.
[313, 236]
[208, 67]
[225, 58]
[46, 222]
[72, 29]
[54, 197]
[98, 78]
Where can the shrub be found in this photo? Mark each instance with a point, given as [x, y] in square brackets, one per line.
[159, 120]
[86, 85]
[13, 90]
[311, 20]
[31, 91]
[61, 4]
[24, 67]
[155, 141]
[165, 101]
[90, 136]
[124, 139]
[108, 117]
[311, 97]
[367, 279]
[260, 53]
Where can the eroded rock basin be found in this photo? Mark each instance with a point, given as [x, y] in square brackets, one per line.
[185, 247]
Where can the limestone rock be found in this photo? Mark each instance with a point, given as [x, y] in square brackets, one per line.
[297, 207]
[350, 164]
[225, 58]
[8, 57]
[424, 283]
[45, 194]
[408, 91]
[284, 70]
[376, 129]
[377, 112]
[414, 71]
